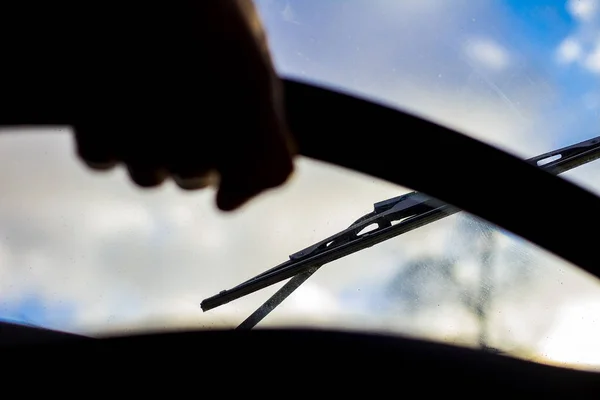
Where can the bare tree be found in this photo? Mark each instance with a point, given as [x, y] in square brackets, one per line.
[427, 282]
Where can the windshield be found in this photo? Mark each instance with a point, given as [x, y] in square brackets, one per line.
[91, 254]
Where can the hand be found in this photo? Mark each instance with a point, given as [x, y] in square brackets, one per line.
[183, 90]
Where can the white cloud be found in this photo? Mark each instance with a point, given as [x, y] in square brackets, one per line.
[569, 51]
[112, 216]
[583, 10]
[488, 53]
[583, 45]
[592, 60]
[119, 254]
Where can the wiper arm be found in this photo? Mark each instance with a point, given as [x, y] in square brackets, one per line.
[392, 217]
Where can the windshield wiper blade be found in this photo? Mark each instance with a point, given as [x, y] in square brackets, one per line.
[392, 217]
[415, 212]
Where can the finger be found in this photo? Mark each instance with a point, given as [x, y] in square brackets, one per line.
[189, 159]
[196, 181]
[142, 155]
[235, 189]
[253, 168]
[95, 147]
[234, 192]
[147, 176]
[262, 157]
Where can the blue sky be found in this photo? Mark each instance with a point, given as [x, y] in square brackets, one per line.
[542, 26]
[35, 310]
[356, 44]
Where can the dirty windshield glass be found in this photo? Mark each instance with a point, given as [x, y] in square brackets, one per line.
[91, 254]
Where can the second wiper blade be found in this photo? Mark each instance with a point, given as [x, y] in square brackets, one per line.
[408, 212]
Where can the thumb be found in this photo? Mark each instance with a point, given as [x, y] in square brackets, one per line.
[260, 167]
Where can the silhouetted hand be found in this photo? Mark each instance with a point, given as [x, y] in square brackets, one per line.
[182, 89]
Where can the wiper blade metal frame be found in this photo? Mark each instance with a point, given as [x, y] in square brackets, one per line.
[413, 210]
[291, 268]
